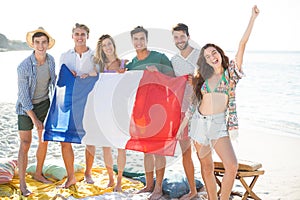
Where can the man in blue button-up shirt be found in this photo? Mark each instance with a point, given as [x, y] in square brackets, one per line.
[36, 77]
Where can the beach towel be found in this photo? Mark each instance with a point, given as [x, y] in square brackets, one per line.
[40, 190]
[136, 110]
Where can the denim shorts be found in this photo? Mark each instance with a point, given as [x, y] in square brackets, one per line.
[40, 109]
[205, 128]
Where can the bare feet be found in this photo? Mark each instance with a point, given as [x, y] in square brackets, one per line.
[189, 196]
[155, 196]
[145, 189]
[88, 179]
[69, 183]
[41, 179]
[25, 192]
[118, 188]
[111, 183]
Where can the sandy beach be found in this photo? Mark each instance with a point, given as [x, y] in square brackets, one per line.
[276, 152]
[279, 156]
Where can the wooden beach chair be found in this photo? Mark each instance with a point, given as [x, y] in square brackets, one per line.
[246, 169]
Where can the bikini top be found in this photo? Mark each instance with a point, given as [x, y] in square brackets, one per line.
[221, 87]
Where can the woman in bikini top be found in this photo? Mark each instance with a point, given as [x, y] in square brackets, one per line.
[222, 86]
[214, 88]
[215, 92]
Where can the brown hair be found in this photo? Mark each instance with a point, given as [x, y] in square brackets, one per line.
[81, 26]
[39, 34]
[204, 70]
[139, 29]
[181, 27]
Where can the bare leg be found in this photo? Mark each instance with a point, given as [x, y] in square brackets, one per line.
[121, 161]
[40, 157]
[160, 165]
[89, 160]
[207, 170]
[226, 153]
[25, 141]
[68, 156]
[188, 166]
[149, 172]
[108, 160]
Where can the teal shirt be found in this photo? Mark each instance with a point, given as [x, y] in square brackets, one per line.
[159, 60]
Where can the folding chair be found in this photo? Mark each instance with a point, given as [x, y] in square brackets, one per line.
[246, 169]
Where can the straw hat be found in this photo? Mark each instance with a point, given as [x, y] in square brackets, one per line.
[40, 29]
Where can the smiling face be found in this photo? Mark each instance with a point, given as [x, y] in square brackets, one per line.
[40, 44]
[80, 36]
[181, 40]
[139, 41]
[213, 57]
[108, 47]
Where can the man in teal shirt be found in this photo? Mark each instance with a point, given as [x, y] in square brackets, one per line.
[152, 61]
[146, 59]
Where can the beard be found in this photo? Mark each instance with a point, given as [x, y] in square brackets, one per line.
[182, 47]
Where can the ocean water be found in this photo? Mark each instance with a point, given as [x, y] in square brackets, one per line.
[268, 96]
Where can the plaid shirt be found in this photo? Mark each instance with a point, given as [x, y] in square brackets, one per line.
[27, 78]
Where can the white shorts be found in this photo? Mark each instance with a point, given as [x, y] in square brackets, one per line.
[205, 128]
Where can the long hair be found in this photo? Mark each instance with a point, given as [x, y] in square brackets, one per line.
[100, 57]
[205, 71]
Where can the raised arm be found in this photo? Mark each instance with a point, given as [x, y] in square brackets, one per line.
[244, 40]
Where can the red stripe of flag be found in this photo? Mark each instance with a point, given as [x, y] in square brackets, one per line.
[156, 114]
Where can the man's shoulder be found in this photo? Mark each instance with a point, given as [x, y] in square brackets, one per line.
[69, 51]
[128, 65]
[90, 51]
[175, 57]
[51, 60]
[156, 53]
[159, 56]
[50, 56]
[196, 51]
[131, 62]
[27, 61]
[29, 58]
[67, 55]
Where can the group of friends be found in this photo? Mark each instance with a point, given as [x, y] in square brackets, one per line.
[208, 109]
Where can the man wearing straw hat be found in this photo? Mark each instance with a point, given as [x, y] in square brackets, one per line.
[36, 77]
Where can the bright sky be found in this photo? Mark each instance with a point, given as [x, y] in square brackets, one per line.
[221, 22]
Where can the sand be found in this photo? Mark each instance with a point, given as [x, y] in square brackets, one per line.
[277, 152]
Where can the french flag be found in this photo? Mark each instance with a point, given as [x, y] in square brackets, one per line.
[135, 110]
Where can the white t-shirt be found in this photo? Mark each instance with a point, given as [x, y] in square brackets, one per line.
[183, 66]
[81, 65]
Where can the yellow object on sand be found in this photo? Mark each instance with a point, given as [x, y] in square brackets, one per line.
[53, 191]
